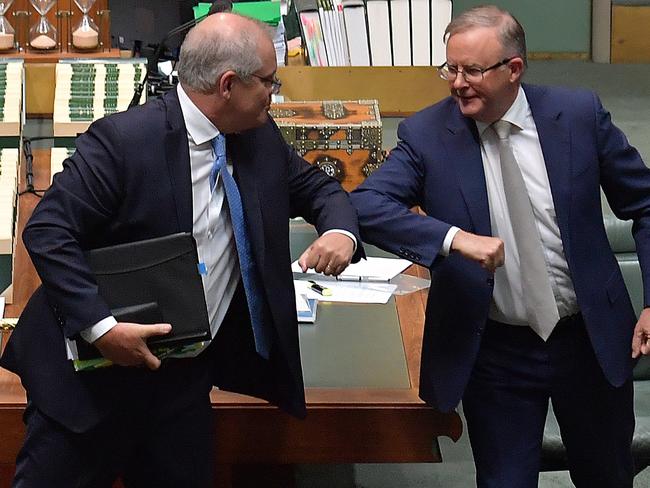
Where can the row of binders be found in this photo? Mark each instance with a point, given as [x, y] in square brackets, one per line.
[87, 90]
[11, 97]
[8, 189]
[374, 32]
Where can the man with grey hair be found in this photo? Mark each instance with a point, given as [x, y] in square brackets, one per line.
[205, 159]
[527, 302]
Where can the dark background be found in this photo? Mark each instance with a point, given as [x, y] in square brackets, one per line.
[147, 20]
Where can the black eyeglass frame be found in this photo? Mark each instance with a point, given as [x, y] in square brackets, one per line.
[443, 70]
[275, 82]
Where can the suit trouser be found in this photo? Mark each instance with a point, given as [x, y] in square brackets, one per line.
[158, 434]
[506, 404]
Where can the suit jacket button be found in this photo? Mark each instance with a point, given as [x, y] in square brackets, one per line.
[490, 281]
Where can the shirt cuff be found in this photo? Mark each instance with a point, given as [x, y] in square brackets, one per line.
[446, 244]
[345, 233]
[94, 332]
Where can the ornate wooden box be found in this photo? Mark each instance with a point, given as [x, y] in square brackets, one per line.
[343, 138]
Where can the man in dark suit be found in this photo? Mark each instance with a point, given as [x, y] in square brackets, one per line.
[151, 172]
[498, 336]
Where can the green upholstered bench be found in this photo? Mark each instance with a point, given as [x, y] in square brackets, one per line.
[553, 451]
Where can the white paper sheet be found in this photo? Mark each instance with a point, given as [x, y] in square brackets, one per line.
[348, 292]
[370, 269]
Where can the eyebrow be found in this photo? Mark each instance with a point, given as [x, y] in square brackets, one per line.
[473, 65]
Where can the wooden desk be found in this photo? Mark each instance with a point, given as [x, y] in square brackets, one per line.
[344, 424]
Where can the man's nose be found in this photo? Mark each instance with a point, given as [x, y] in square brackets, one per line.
[459, 82]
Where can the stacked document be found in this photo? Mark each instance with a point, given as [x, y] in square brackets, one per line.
[367, 281]
[306, 308]
[344, 291]
[367, 270]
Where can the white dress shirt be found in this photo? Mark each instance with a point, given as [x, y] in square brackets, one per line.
[211, 225]
[507, 301]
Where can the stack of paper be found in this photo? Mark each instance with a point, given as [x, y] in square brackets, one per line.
[368, 270]
[306, 308]
[367, 281]
[346, 291]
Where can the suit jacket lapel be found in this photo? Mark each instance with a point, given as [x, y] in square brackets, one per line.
[465, 153]
[240, 152]
[555, 139]
[178, 161]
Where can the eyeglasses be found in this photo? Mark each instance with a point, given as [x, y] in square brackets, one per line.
[471, 74]
[273, 81]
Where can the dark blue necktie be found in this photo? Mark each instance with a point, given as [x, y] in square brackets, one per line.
[252, 285]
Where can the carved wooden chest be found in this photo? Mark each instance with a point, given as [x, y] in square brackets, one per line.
[343, 138]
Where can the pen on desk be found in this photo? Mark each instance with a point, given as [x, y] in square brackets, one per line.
[321, 290]
[361, 279]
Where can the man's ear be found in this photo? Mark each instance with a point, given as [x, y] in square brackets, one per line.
[516, 66]
[226, 83]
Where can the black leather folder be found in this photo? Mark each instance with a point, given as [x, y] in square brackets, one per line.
[152, 281]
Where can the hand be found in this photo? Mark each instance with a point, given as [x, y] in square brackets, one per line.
[641, 338]
[329, 254]
[487, 251]
[125, 344]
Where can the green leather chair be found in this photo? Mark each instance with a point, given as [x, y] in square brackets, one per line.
[553, 451]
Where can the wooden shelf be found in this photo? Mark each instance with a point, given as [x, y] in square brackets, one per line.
[53, 56]
[401, 91]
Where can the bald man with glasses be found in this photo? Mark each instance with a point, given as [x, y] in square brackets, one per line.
[527, 303]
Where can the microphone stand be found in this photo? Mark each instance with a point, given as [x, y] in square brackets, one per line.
[137, 94]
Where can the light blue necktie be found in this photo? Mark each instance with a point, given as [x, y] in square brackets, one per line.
[250, 278]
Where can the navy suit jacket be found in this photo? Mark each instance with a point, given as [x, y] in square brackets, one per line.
[130, 180]
[437, 165]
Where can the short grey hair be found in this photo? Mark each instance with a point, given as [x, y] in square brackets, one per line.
[205, 56]
[511, 33]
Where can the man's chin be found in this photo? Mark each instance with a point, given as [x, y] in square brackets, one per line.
[469, 106]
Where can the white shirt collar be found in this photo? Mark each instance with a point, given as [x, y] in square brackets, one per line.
[516, 114]
[198, 126]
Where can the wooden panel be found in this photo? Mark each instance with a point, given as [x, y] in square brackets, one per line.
[39, 89]
[400, 91]
[40, 81]
[630, 39]
[333, 434]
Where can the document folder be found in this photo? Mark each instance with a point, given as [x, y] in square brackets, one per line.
[152, 281]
